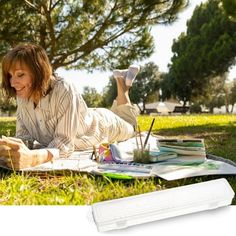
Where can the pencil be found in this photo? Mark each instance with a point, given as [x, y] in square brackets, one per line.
[141, 143]
[136, 139]
[149, 132]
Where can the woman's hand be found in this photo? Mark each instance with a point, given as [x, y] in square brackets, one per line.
[18, 156]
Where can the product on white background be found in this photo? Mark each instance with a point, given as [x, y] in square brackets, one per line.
[138, 209]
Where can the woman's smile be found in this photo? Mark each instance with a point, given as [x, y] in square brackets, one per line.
[21, 80]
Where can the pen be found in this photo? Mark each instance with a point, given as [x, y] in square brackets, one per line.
[150, 129]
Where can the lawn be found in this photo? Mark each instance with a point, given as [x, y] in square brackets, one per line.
[69, 188]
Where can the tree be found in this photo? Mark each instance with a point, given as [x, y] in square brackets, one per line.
[222, 93]
[92, 97]
[82, 34]
[145, 87]
[214, 97]
[230, 8]
[228, 96]
[232, 94]
[165, 86]
[205, 51]
[109, 92]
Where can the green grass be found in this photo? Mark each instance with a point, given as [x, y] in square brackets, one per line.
[69, 188]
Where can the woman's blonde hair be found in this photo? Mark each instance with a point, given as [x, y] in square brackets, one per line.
[36, 59]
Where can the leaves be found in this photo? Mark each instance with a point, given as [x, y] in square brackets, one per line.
[86, 34]
[92, 97]
[145, 85]
[230, 8]
[207, 50]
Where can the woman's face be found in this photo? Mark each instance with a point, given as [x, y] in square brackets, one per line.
[21, 80]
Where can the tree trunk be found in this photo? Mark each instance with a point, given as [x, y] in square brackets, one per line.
[211, 108]
[184, 104]
[232, 108]
[139, 109]
[142, 111]
[227, 108]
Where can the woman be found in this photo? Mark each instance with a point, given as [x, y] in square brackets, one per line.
[51, 111]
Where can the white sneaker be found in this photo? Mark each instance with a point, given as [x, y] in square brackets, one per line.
[131, 74]
[120, 73]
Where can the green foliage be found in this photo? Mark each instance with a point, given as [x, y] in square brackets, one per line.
[230, 8]
[92, 97]
[86, 34]
[109, 92]
[207, 50]
[233, 93]
[145, 85]
[227, 95]
[195, 108]
[67, 188]
[166, 85]
[222, 93]
[213, 97]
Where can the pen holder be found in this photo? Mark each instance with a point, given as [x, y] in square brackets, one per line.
[142, 155]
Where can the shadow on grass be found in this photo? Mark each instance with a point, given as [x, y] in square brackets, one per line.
[4, 173]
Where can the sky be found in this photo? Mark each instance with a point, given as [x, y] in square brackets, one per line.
[163, 36]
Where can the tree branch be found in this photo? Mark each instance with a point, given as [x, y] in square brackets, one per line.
[47, 14]
[89, 45]
[31, 5]
[54, 5]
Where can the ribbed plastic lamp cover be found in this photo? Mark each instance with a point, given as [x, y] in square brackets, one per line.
[138, 209]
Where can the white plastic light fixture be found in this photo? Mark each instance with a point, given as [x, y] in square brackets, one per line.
[128, 211]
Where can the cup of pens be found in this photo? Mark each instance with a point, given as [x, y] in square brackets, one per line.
[141, 154]
[141, 151]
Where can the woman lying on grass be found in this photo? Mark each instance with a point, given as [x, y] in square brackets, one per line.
[52, 112]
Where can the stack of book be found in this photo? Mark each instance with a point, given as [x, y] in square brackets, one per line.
[186, 150]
